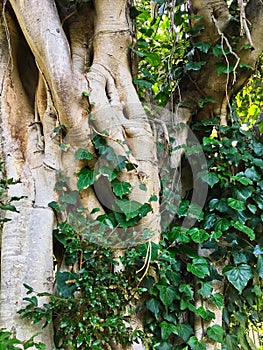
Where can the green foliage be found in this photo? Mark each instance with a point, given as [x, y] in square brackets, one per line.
[249, 99]
[161, 50]
[9, 342]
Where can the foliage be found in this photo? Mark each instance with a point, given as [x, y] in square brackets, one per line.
[162, 47]
[249, 99]
[9, 342]
[92, 302]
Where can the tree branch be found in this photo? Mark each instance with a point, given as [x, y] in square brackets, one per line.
[221, 87]
[42, 29]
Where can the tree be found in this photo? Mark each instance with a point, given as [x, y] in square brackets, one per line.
[68, 103]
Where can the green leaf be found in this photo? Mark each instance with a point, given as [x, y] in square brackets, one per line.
[132, 208]
[244, 228]
[153, 58]
[9, 207]
[205, 314]
[243, 193]
[242, 179]
[195, 344]
[194, 65]
[56, 206]
[183, 330]
[217, 50]
[82, 153]
[239, 275]
[66, 283]
[167, 294]
[202, 46]
[206, 289]
[110, 171]
[154, 306]
[222, 224]
[121, 188]
[257, 148]
[245, 65]
[210, 178]
[252, 174]
[179, 234]
[143, 187]
[218, 299]
[143, 82]
[218, 204]
[216, 333]
[252, 208]
[29, 289]
[187, 290]
[203, 101]
[70, 198]
[86, 178]
[167, 329]
[199, 267]
[223, 68]
[198, 235]
[236, 204]
[260, 266]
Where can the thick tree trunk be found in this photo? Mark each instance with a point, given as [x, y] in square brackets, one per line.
[26, 240]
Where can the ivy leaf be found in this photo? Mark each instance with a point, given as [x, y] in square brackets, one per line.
[236, 204]
[133, 208]
[222, 224]
[216, 333]
[243, 193]
[82, 153]
[183, 330]
[70, 197]
[110, 171]
[143, 82]
[242, 179]
[199, 267]
[194, 65]
[210, 178]
[245, 229]
[239, 275]
[218, 299]
[121, 188]
[198, 235]
[195, 344]
[205, 314]
[86, 178]
[167, 294]
[245, 65]
[252, 174]
[202, 46]
[154, 306]
[167, 329]
[260, 266]
[206, 289]
[217, 50]
[218, 204]
[222, 68]
[9, 207]
[252, 208]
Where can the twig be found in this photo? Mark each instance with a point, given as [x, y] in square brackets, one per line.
[243, 24]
